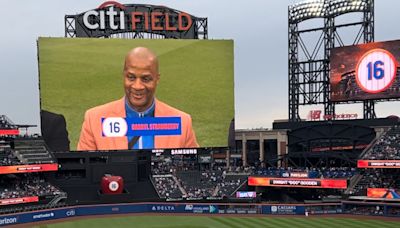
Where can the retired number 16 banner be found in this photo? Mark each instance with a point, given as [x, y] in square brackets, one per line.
[376, 71]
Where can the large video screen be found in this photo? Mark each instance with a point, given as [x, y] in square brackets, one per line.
[388, 193]
[138, 93]
[365, 72]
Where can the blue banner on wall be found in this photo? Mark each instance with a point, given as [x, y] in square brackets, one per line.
[283, 209]
[201, 208]
[37, 216]
[112, 209]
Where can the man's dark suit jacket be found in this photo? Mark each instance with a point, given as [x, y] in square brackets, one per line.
[231, 136]
[54, 131]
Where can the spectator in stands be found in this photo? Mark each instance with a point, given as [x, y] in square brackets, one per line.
[24, 186]
[387, 147]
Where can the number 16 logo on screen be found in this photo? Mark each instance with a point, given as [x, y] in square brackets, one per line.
[114, 127]
[376, 71]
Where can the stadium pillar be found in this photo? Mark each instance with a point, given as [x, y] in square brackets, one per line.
[228, 158]
[262, 157]
[244, 150]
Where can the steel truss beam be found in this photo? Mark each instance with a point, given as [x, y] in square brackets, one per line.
[309, 79]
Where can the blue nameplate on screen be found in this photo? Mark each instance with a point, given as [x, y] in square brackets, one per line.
[119, 127]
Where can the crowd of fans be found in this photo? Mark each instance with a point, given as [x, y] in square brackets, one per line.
[387, 147]
[7, 159]
[199, 184]
[189, 181]
[338, 172]
[24, 150]
[377, 178]
[6, 156]
[24, 186]
[393, 211]
[365, 210]
[166, 186]
[230, 184]
[164, 166]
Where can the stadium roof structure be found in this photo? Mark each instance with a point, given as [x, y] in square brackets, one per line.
[322, 8]
[309, 62]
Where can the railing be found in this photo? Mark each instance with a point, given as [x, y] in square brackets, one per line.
[57, 199]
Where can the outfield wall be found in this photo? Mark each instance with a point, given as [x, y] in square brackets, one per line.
[187, 208]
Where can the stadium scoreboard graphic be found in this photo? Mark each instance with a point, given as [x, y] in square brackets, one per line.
[29, 199]
[365, 72]
[297, 182]
[9, 132]
[28, 168]
[388, 164]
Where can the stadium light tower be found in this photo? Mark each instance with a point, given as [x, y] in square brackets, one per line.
[309, 67]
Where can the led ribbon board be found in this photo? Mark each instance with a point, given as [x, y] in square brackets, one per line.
[390, 164]
[28, 168]
[298, 182]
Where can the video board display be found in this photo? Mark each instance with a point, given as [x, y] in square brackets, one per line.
[139, 94]
[389, 164]
[365, 72]
[386, 193]
[246, 194]
[298, 182]
[28, 168]
[29, 199]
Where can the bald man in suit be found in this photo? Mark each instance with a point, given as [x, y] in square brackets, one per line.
[140, 76]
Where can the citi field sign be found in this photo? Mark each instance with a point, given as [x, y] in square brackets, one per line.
[107, 15]
[112, 17]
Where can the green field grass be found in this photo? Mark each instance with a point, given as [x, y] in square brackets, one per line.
[218, 221]
[196, 77]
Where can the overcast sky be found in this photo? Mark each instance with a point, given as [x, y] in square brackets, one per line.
[259, 29]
